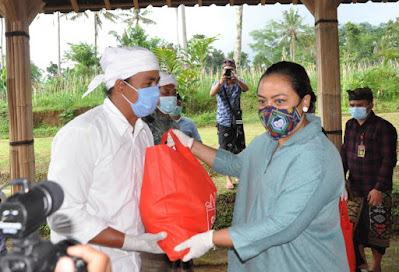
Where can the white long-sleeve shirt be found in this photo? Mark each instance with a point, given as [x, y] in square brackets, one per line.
[98, 159]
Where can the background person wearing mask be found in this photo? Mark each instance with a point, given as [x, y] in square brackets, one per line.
[186, 124]
[98, 159]
[159, 121]
[228, 95]
[286, 215]
[369, 155]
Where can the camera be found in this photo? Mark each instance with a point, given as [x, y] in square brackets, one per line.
[21, 215]
[227, 73]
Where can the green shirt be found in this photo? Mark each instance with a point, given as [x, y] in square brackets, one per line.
[286, 215]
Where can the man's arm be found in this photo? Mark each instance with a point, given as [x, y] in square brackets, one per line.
[389, 157]
[216, 87]
[242, 84]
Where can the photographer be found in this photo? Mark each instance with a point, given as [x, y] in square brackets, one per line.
[229, 119]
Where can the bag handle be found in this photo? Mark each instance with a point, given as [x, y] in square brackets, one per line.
[178, 144]
[343, 209]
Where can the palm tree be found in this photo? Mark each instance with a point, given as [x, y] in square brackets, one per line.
[237, 46]
[98, 23]
[138, 16]
[58, 43]
[291, 29]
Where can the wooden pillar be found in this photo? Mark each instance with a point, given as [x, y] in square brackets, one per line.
[328, 66]
[18, 15]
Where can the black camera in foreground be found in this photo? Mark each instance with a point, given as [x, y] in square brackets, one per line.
[20, 218]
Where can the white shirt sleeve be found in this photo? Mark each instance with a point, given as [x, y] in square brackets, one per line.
[73, 157]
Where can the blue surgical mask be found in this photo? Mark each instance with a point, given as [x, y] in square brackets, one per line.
[147, 100]
[359, 113]
[167, 104]
[177, 111]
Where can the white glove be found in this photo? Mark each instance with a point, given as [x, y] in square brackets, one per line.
[198, 244]
[183, 138]
[146, 242]
[344, 194]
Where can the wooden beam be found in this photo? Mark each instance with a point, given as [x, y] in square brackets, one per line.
[34, 6]
[328, 68]
[8, 9]
[231, 2]
[310, 5]
[107, 4]
[200, 3]
[169, 3]
[19, 87]
[75, 5]
[136, 4]
[295, 2]
[262, 2]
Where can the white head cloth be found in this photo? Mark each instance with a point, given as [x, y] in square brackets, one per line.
[166, 79]
[122, 63]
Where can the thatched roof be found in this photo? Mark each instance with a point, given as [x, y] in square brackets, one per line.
[82, 5]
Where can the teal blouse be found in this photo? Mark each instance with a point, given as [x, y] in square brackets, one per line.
[286, 214]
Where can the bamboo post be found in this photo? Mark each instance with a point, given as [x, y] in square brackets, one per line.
[328, 66]
[18, 15]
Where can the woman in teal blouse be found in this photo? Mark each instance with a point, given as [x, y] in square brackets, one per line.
[286, 214]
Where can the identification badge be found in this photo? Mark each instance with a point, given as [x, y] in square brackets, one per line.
[361, 151]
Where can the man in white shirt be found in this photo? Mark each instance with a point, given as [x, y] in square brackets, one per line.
[98, 160]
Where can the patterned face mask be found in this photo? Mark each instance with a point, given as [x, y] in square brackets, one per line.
[278, 122]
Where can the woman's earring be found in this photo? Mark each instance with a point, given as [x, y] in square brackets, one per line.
[305, 109]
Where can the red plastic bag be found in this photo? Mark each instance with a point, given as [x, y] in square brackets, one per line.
[347, 231]
[177, 195]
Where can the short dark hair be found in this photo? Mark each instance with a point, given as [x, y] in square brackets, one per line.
[297, 75]
[178, 97]
[361, 94]
[229, 62]
[108, 92]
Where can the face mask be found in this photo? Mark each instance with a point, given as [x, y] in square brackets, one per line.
[147, 100]
[311, 114]
[167, 104]
[177, 111]
[359, 113]
[279, 123]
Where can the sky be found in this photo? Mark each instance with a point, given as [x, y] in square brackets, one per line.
[209, 21]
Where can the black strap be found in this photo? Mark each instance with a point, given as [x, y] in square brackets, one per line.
[17, 143]
[17, 33]
[334, 132]
[325, 21]
[227, 98]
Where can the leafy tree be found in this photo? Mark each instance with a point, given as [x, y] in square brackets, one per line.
[84, 55]
[36, 73]
[198, 49]
[244, 59]
[138, 15]
[52, 69]
[388, 48]
[291, 29]
[99, 16]
[136, 36]
[168, 59]
[214, 60]
[276, 36]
